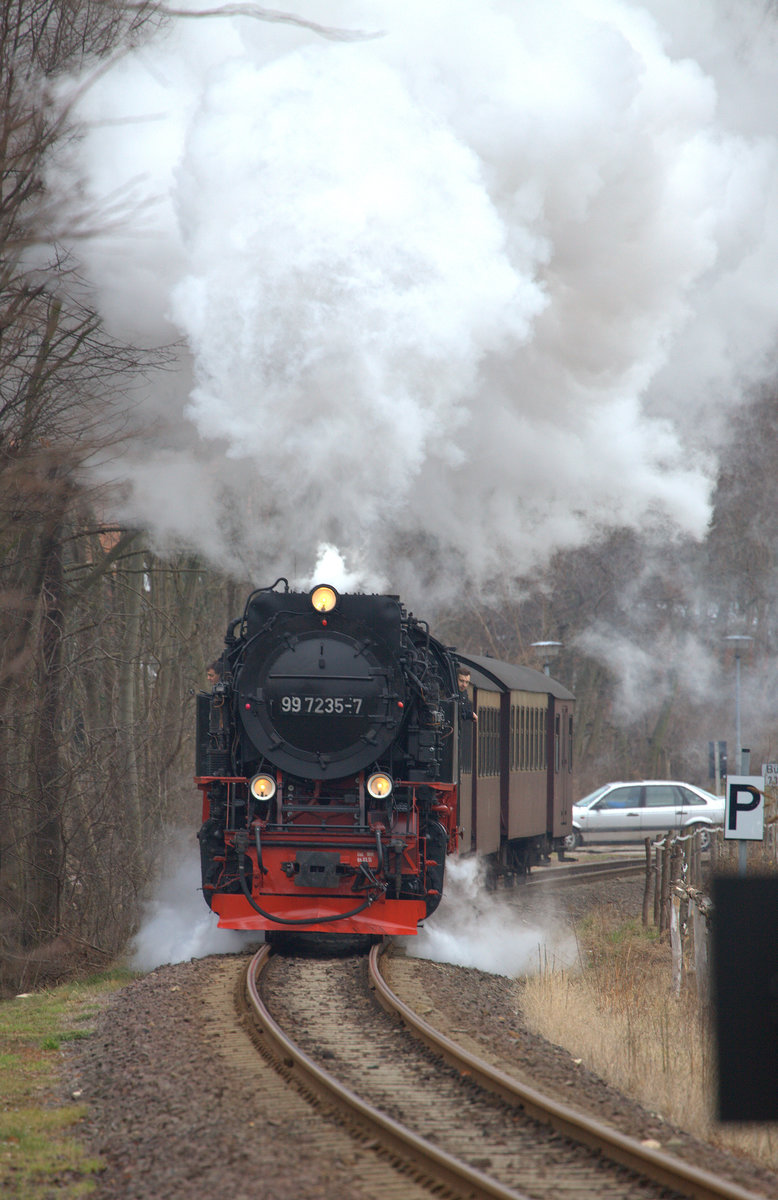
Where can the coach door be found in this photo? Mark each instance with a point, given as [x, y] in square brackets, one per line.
[465, 791]
[486, 782]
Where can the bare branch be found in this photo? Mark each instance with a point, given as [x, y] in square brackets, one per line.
[264, 14]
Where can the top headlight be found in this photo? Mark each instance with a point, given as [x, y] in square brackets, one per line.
[324, 598]
[380, 785]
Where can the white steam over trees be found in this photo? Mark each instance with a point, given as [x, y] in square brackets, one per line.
[483, 301]
[643, 626]
[500, 278]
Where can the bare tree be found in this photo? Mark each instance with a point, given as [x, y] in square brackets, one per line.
[61, 402]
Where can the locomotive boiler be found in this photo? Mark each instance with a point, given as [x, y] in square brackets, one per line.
[327, 759]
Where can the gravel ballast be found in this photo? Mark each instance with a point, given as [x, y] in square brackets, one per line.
[180, 1106]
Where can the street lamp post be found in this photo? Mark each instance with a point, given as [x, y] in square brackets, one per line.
[548, 650]
[739, 642]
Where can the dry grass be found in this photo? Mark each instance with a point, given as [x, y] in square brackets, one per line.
[617, 1014]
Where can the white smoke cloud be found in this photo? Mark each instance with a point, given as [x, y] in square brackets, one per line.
[648, 675]
[176, 923]
[480, 929]
[492, 277]
[331, 566]
[472, 927]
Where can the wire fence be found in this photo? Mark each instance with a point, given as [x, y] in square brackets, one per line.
[676, 897]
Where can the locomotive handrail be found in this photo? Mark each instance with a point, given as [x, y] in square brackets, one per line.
[329, 811]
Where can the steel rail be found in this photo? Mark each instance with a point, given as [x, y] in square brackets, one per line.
[656, 1165]
[584, 872]
[436, 1163]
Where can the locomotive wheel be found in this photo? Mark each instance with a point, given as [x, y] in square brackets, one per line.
[491, 876]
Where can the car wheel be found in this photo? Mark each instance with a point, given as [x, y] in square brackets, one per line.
[703, 835]
[573, 840]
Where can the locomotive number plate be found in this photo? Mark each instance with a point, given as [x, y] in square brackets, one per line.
[348, 705]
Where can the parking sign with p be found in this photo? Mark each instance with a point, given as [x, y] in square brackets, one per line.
[744, 812]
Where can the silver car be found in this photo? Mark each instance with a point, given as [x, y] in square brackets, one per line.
[630, 812]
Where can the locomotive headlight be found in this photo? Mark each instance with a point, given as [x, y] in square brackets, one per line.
[324, 599]
[263, 787]
[380, 786]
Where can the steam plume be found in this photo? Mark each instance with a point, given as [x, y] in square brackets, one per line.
[473, 289]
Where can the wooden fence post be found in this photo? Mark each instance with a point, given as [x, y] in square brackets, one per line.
[695, 861]
[664, 906]
[650, 875]
[700, 932]
[676, 945]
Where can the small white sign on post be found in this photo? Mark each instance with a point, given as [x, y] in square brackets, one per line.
[744, 812]
[770, 772]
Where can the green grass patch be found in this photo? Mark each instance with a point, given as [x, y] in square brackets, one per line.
[40, 1153]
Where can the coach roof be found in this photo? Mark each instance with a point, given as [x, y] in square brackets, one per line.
[489, 672]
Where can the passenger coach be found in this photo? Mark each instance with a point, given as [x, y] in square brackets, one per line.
[516, 765]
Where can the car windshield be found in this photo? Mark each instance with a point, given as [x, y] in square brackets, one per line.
[590, 799]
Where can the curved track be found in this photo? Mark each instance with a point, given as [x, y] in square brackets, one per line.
[586, 868]
[450, 1120]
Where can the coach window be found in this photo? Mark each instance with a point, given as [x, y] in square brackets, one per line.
[570, 744]
[535, 716]
[520, 735]
[557, 747]
[531, 739]
[488, 741]
[496, 741]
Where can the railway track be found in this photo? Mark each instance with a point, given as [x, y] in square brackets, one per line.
[439, 1119]
[571, 874]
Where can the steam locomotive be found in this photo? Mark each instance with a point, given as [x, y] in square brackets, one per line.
[338, 768]
[327, 758]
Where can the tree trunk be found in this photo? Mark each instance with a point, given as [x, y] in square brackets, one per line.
[45, 843]
[126, 713]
